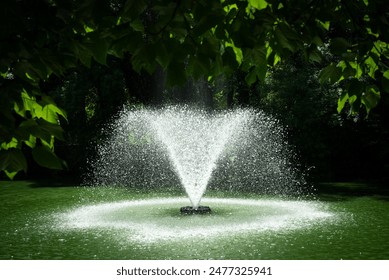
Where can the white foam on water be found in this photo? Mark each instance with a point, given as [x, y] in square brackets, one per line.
[154, 220]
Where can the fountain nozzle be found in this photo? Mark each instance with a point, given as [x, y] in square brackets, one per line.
[189, 210]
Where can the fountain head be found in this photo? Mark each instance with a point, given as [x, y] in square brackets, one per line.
[199, 210]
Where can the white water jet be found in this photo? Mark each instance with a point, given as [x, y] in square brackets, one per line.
[194, 143]
[230, 150]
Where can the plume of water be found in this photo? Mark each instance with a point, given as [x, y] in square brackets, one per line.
[194, 141]
[240, 149]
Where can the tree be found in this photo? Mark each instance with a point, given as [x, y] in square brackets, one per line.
[188, 39]
[86, 95]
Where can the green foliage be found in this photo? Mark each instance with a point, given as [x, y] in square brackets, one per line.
[339, 146]
[12, 161]
[42, 39]
[258, 4]
[45, 157]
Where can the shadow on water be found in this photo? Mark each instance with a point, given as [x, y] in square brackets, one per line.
[348, 190]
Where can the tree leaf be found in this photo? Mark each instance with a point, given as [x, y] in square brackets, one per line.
[176, 74]
[29, 103]
[348, 72]
[315, 56]
[355, 103]
[371, 98]
[50, 113]
[251, 77]
[137, 25]
[217, 66]
[130, 41]
[331, 74]
[164, 56]
[11, 144]
[342, 101]
[10, 175]
[325, 25]
[50, 128]
[258, 4]
[12, 160]
[31, 127]
[283, 41]
[198, 66]
[237, 51]
[385, 81]
[145, 58]
[339, 45]
[355, 90]
[229, 58]
[132, 9]
[46, 158]
[355, 87]
[98, 47]
[85, 59]
[31, 141]
[41, 129]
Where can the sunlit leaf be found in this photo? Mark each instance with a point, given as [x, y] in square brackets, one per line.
[342, 101]
[355, 103]
[347, 70]
[357, 68]
[29, 104]
[10, 175]
[12, 144]
[31, 142]
[50, 113]
[372, 66]
[325, 25]
[258, 4]
[88, 29]
[237, 51]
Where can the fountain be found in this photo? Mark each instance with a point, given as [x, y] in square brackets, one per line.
[242, 149]
[239, 152]
[157, 161]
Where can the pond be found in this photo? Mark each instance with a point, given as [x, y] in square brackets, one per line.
[55, 221]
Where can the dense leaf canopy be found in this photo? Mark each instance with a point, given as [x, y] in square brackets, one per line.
[199, 38]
